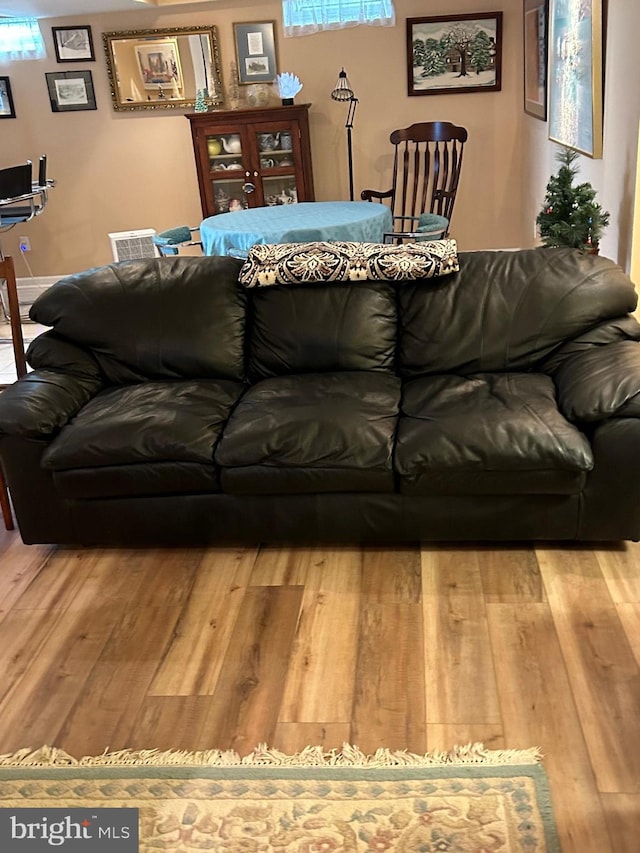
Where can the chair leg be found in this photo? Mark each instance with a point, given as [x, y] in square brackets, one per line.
[7, 271]
[5, 504]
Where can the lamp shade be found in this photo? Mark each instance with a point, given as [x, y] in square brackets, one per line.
[343, 90]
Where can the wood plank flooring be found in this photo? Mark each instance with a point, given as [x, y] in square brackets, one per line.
[409, 648]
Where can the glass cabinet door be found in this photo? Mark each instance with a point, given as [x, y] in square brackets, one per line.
[252, 157]
[277, 161]
[226, 171]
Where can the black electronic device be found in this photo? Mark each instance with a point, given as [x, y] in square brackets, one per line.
[15, 181]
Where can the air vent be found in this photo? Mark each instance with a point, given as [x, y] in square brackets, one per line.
[133, 245]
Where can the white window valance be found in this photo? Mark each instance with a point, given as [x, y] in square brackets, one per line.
[303, 17]
[20, 38]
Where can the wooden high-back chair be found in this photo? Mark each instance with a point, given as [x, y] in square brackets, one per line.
[426, 171]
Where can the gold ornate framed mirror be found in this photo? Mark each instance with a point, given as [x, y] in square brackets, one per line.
[162, 69]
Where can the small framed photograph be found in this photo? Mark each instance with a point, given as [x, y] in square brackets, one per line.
[256, 52]
[7, 109]
[452, 54]
[536, 52]
[73, 44]
[70, 90]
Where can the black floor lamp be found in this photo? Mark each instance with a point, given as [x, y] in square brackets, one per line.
[344, 92]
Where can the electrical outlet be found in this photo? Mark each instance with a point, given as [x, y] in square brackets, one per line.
[25, 244]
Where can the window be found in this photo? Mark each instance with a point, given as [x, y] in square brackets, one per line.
[302, 17]
[20, 38]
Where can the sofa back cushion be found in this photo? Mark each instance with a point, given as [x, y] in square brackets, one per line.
[162, 318]
[506, 310]
[316, 328]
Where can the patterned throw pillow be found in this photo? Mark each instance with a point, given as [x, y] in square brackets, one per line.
[324, 263]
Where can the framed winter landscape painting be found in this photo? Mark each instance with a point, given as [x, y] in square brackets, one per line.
[575, 75]
[452, 54]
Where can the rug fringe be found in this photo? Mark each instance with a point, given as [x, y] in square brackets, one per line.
[311, 756]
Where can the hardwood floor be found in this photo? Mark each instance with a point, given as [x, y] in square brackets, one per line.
[404, 648]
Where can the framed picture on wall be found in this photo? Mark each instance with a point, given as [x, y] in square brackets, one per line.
[453, 54]
[159, 64]
[256, 52]
[536, 54]
[7, 109]
[70, 91]
[575, 75]
[73, 44]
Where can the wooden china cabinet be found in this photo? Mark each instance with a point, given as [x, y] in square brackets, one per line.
[252, 157]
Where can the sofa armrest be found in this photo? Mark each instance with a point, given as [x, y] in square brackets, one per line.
[51, 350]
[42, 402]
[614, 331]
[601, 383]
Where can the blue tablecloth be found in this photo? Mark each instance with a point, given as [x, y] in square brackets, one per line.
[235, 233]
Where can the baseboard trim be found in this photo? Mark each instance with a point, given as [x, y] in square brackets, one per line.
[28, 291]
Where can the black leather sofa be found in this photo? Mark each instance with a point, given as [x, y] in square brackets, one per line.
[170, 405]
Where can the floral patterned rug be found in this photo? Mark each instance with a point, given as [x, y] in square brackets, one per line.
[469, 800]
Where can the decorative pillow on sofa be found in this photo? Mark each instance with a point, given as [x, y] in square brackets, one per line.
[322, 263]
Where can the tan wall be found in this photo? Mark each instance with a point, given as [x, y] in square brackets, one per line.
[121, 171]
[613, 176]
[635, 239]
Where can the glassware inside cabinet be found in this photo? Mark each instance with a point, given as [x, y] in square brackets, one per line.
[276, 149]
[225, 152]
[280, 190]
[228, 196]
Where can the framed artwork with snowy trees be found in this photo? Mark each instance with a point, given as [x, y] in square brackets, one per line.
[452, 54]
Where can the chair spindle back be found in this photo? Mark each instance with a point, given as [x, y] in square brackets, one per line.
[426, 168]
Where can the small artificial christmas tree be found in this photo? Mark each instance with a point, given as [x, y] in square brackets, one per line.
[201, 101]
[570, 215]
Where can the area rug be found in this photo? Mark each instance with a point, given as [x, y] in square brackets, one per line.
[469, 800]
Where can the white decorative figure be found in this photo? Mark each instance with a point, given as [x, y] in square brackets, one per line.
[288, 86]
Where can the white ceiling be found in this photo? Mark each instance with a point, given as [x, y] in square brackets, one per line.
[61, 8]
[64, 8]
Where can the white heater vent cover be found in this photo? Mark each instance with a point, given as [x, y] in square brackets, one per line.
[132, 245]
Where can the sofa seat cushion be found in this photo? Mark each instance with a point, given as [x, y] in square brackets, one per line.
[312, 433]
[488, 433]
[141, 479]
[150, 438]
